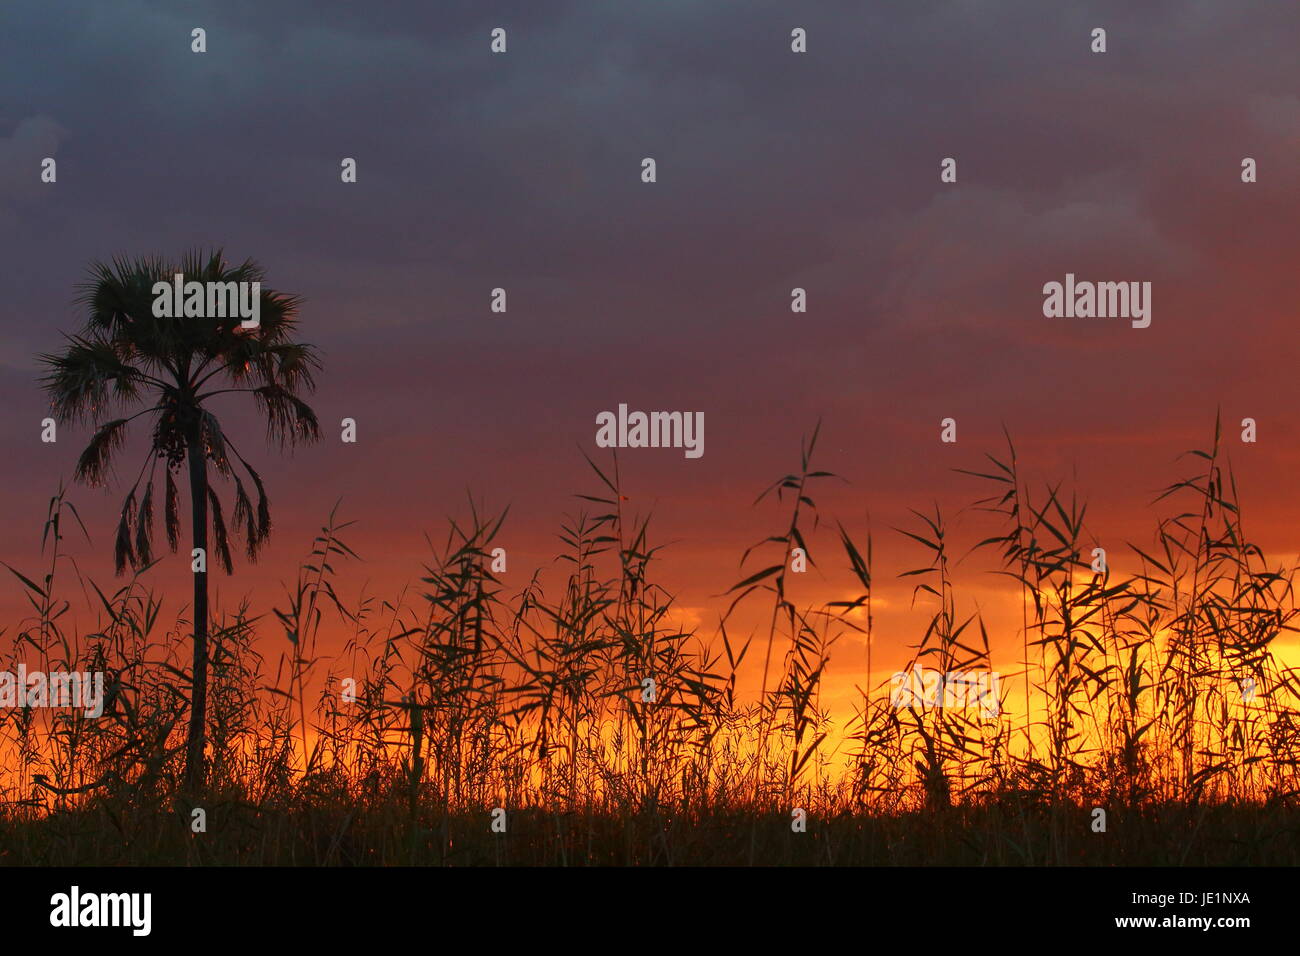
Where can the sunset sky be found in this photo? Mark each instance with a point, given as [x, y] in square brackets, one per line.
[775, 171]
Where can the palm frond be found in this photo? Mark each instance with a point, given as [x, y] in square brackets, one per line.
[94, 463]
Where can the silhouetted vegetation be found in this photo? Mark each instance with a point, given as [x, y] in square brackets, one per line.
[612, 734]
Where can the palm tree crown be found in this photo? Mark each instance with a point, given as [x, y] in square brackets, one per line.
[125, 356]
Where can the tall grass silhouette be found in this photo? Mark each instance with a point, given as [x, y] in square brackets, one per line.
[610, 733]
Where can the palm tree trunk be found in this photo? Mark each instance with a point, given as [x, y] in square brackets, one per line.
[199, 692]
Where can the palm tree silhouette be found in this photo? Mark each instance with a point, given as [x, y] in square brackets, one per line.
[124, 358]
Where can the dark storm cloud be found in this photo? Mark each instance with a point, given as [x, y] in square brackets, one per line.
[475, 167]
[775, 170]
